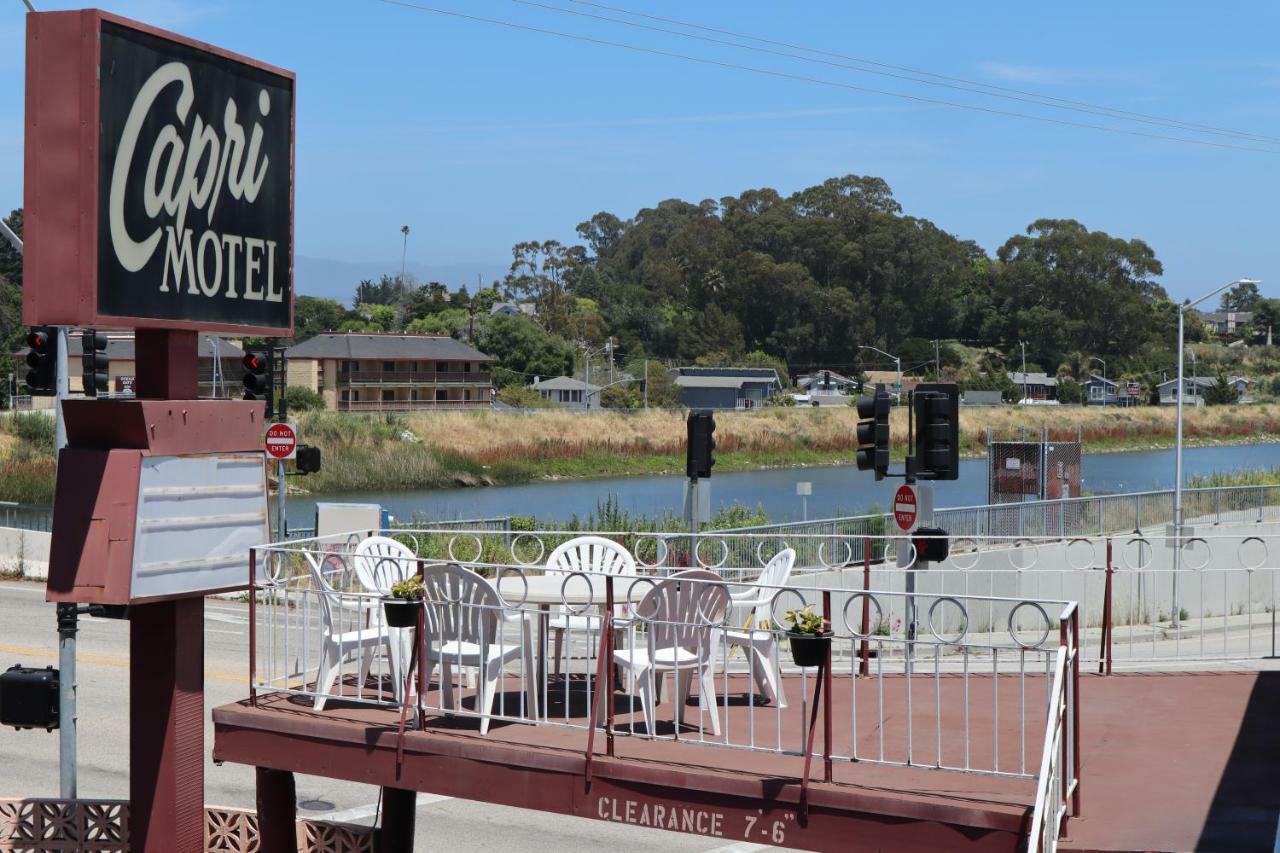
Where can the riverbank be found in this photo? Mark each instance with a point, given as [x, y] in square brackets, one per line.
[444, 449]
[426, 450]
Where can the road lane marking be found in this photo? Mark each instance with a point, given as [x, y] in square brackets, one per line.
[370, 809]
[112, 660]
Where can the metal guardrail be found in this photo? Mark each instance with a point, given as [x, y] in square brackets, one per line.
[1095, 515]
[26, 516]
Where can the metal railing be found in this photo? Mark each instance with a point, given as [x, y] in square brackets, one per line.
[26, 516]
[409, 405]
[415, 377]
[1095, 515]
[962, 683]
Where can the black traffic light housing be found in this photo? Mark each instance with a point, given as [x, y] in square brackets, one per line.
[931, 544]
[42, 358]
[873, 433]
[93, 359]
[700, 451]
[29, 697]
[307, 460]
[258, 376]
[937, 438]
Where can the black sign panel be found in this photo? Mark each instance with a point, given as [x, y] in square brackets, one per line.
[195, 185]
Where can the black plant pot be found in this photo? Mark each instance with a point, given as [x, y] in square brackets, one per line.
[810, 649]
[401, 612]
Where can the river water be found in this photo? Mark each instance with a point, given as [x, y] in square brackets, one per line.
[837, 490]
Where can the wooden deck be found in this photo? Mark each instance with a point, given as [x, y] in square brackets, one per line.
[1170, 762]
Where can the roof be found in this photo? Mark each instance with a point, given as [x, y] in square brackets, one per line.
[1203, 381]
[1032, 378]
[1093, 377]
[756, 373]
[563, 383]
[714, 381]
[1228, 316]
[363, 345]
[818, 376]
[121, 347]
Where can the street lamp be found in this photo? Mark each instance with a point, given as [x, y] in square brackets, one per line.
[1177, 451]
[1104, 378]
[897, 395]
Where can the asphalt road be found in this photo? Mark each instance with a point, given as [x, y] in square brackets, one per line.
[28, 636]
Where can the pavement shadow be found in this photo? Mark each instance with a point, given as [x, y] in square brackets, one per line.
[1246, 805]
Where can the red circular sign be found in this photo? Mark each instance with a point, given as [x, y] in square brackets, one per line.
[905, 508]
[282, 441]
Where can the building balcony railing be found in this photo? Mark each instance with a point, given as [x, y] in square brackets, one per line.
[413, 377]
[409, 405]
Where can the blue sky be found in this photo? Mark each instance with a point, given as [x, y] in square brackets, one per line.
[479, 136]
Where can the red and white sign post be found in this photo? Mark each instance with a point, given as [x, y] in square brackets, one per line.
[282, 441]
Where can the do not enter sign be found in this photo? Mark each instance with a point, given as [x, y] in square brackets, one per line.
[282, 441]
[906, 509]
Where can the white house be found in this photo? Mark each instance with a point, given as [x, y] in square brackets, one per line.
[568, 392]
[1197, 386]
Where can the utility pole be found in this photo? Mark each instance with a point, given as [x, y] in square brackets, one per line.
[937, 360]
[646, 384]
[1023, 344]
[609, 350]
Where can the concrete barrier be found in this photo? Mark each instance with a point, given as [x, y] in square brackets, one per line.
[24, 553]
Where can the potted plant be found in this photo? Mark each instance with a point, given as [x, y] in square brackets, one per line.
[810, 637]
[401, 606]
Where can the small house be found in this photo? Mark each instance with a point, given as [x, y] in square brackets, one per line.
[1035, 386]
[568, 392]
[725, 387]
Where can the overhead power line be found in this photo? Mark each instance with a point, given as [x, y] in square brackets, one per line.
[802, 78]
[992, 90]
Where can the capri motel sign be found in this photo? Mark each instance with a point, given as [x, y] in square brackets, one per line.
[158, 197]
[177, 210]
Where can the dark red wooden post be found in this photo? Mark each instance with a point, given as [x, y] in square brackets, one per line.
[166, 652]
[396, 834]
[277, 810]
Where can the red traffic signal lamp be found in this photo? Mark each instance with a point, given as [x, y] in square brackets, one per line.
[873, 433]
[258, 384]
[42, 358]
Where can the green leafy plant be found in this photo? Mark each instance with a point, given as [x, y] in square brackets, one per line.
[807, 622]
[409, 589]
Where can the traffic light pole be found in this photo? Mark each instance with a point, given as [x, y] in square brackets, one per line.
[67, 614]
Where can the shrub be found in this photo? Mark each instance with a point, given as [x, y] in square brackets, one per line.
[299, 399]
[522, 397]
[36, 429]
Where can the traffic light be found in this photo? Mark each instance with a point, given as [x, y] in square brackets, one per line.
[700, 453]
[93, 358]
[258, 383]
[937, 410]
[931, 544]
[42, 358]
[307, 460]
[873, 433]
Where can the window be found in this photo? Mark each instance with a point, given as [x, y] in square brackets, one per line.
[575, 396]
[466, 394]
[388, 396]
[346, 395]
[442, 367]
[413, 394]
[388, 366]
[466, 367]
[442, 396]
[1095, 392]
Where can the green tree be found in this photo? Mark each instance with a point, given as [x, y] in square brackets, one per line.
[544, 273]
[1222, 392]
[300, 399]
[313, 315]
[523, 350]
[1243, 297]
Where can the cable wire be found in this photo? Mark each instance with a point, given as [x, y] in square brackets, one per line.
[802, 78]
[1117, 113]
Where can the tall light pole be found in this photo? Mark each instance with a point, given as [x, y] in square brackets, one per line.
[1104, 378]
[1023, 344]
[897, 362]
[404, 251]
[1177, 449]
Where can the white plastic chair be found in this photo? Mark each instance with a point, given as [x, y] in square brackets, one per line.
[761, 646]
[336, 643]
[381, 562]
[585, 554]
[464, 614]
[681, 612]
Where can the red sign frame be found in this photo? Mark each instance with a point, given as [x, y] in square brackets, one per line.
[62, 171]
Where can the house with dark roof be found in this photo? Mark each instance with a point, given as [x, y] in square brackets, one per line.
[391, 372]
[568, 392]
[1035, 386]
[725, 387]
